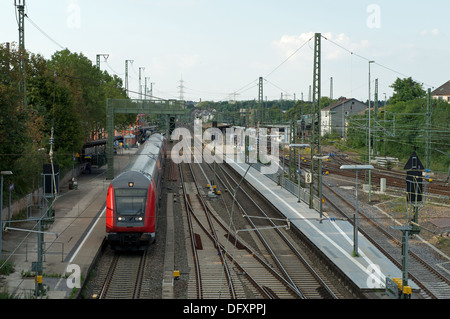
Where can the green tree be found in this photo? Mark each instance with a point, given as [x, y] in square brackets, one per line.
[406, 128]
[21, 127]
[67, 93]
[406, 90]
[80, 99]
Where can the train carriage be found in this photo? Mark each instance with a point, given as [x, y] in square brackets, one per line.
[132, 202]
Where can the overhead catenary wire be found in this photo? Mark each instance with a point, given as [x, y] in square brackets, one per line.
[243, 89]
[289, 57]
[368, 59]
[273, 84]
[62, 47]
[255, 82]
[44, 33]
[114, 71]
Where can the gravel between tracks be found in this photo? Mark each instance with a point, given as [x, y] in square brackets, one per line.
[429, 244]
[152, 288]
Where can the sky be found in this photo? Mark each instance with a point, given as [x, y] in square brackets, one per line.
[219, 49]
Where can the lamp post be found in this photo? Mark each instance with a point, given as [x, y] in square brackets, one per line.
[1, 208]
[356, 168]
[300, 146]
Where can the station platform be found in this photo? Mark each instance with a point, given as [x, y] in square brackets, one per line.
[368, 271]
[71, 243]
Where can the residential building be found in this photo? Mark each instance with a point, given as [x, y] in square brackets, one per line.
[334, 117]
[442, 92]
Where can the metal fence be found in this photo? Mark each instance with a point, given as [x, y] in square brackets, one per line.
[290, 186]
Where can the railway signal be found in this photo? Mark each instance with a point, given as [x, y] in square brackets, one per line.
[414, 188]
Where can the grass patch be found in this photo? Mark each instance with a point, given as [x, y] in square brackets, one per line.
[443, 244]
[7, 268]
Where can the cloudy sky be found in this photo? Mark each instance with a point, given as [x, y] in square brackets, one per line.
[221, 47]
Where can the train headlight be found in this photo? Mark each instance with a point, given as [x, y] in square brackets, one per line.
[139, 218]
[120, 218]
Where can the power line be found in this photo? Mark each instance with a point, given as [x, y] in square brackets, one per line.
[114, 71]
[255, 82]
[286, 92]
[42, 31]
[289, 57]
[242, 88]
[367, 59]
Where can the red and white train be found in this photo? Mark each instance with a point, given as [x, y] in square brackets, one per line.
[132, 203]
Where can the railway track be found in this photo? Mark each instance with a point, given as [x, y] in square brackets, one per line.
[277, 250]
[286, 254]
[123, 278]
[212, 273]
[232, 262]
[249, 275]
[433, 284]
[394, 178]
[428, 278]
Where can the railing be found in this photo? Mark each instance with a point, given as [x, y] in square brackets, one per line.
[290, 186]
[46, 252]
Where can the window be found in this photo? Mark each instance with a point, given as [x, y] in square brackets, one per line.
[130, 201]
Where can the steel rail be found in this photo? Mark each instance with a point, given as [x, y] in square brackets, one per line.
[392, 238]
[140, 276]
[214, 236]
[108, 277]
[192, 238]
[265, 291]
[290, 245]
[113, 268]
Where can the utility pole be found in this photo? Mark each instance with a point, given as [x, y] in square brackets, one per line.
[181, 87]
[384, 131]
[316, 123]
[281, 105]
[427, 132]
[126, 75]
[140, 85]
[20, 5]
[375, 117]
[98, 58]
[261, 100]
[145, 90]
[369, 147]
[331, 90]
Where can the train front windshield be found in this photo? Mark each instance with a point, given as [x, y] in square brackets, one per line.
[130, 201]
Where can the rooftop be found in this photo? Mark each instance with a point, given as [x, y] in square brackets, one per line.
[341, 101]
[442, 90]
